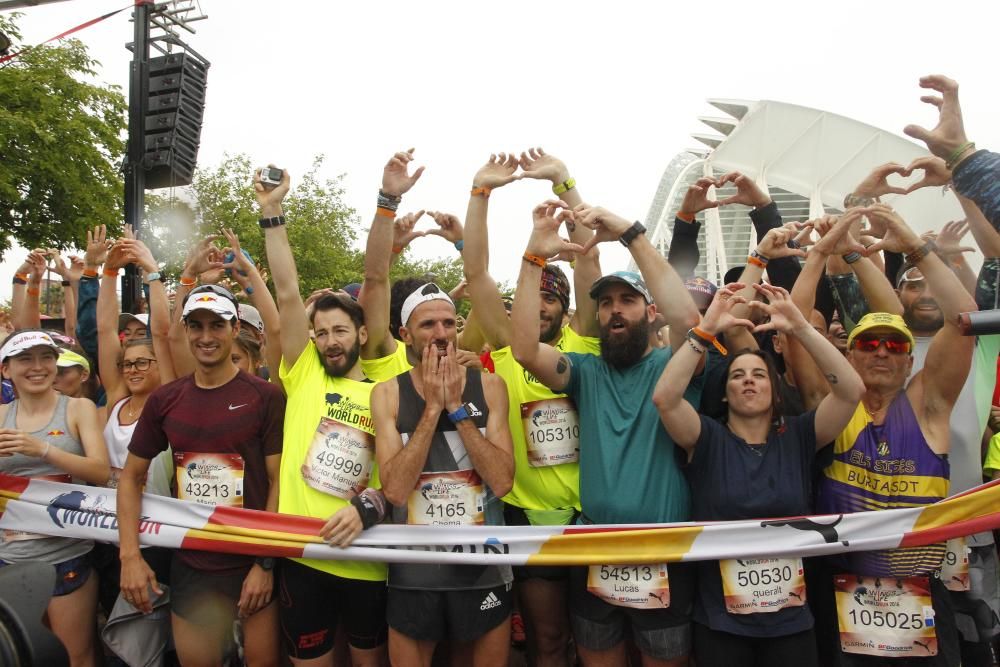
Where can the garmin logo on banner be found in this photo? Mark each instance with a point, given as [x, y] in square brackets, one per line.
[77, 508]
[491, 546]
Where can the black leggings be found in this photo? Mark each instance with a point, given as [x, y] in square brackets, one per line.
[713, 648]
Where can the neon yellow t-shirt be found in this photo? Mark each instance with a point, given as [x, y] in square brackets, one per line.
[328, 425]
[387, 367]
[551, 432]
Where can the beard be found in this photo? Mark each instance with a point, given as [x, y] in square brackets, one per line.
[624, 350]
[551, 332]
[924, 322]
[341, 369]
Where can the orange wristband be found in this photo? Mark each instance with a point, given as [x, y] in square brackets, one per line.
[685, 217]
[536, 260]
[188, 282]
[396, 249]
[385, 213]
[90, 273]
[712, 339]
[21, 276]
[756, 262]
[34, 291]
[484, 191]
[111, 273]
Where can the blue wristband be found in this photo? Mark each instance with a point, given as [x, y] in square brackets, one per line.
[459, 244]
[458, 415]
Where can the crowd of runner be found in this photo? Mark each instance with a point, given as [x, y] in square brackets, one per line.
[828, 375]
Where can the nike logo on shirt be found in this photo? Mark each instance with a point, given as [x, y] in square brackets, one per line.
[237, 407]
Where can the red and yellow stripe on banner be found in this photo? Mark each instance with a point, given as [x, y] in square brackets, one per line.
[83, 512]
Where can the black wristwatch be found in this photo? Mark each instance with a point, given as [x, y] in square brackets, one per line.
[629, 234]
[266, 562]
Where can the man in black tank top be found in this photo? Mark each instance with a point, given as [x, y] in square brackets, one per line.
[445, 458]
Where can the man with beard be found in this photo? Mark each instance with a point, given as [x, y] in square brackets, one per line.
[629, 470]
[328, 465]
[544, 425]
[444, 452]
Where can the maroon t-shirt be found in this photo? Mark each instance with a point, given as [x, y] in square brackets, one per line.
[219, 439]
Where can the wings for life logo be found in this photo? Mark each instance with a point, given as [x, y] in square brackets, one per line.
[347, 411]
[549, 415]
[440, 488]
[78, 508]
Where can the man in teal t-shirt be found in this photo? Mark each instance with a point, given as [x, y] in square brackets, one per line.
[629, 467]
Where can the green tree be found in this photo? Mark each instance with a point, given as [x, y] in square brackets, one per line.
[322, 229]
[61, 139]
[326, 235]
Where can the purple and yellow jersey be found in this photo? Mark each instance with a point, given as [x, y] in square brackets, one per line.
[877, 467]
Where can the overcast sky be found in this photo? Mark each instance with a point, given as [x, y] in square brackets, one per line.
[614, 89]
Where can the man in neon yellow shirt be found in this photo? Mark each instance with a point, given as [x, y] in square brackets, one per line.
[327, 465]
[543, 424]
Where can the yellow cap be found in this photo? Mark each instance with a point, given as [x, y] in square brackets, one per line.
[881, 321]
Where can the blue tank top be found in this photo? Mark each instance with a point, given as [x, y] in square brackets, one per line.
[886, 466]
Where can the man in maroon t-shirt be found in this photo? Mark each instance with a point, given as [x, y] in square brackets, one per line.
[225, 428]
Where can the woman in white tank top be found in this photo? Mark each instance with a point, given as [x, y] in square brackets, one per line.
[131, 373]
[46, 434]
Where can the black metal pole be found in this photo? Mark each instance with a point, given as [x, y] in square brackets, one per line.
[135, 178]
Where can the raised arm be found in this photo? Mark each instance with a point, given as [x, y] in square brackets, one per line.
[536, 163]
[375, 292]
[159, 308]
[482, 288]
[108, 345]
[846, 387]
[665, 286]
[773, 247]
[836, 239]
[683, 253]
[29, 315]
[246, 274]
[678, 416]
[950, 354]
[292, 321]
[544, 361]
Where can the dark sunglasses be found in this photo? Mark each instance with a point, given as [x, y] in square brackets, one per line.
[140, 364]
[893, 344]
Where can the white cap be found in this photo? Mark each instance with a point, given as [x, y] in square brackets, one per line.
[215, 303]
[423, 294]
[251, 316]
[125, 318]
[23, 341]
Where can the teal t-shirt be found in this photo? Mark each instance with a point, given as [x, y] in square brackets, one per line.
[629, 467]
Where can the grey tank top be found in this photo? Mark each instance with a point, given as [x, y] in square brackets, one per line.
[433, 503]
[16, 547]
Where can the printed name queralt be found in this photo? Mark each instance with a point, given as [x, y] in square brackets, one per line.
[350, 413]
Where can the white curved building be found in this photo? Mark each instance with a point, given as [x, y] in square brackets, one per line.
[808, 159]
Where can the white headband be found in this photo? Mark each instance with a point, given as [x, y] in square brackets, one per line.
[423, 294]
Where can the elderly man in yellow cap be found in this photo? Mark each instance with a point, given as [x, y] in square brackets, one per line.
[893, 454]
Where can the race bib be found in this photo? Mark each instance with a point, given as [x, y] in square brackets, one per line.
[210, 479]
[339, 460]
[551, 431]
[955, 569]
[7, 536]
[635, 586]
[447, 499]
[762, 585]
[885, 616]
